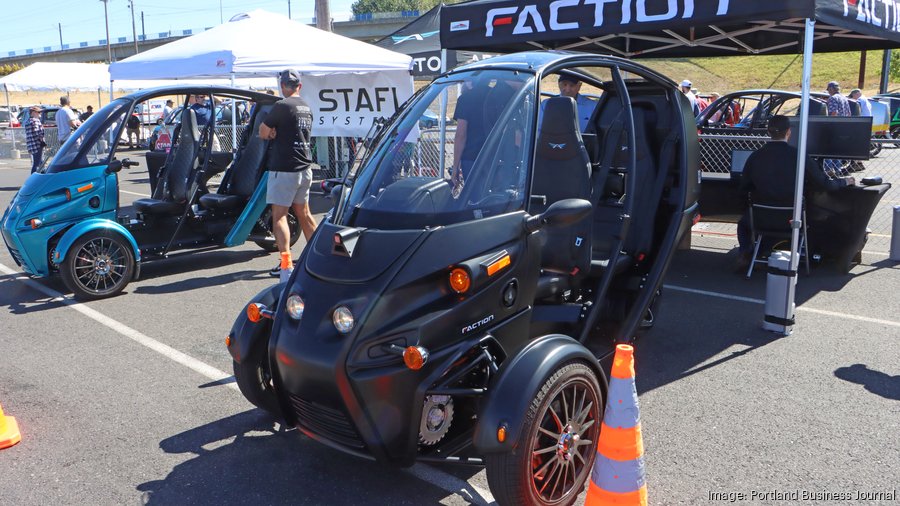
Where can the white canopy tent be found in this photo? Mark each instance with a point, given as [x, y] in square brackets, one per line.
[346, 82]
[258, 43]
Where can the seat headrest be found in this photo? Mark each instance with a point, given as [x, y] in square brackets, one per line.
[189, 130]
[558, 137]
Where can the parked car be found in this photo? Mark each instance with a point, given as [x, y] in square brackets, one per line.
[9, 118]
[48, 116]
[745, 113]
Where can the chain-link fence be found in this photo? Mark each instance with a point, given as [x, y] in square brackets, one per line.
[716, 152]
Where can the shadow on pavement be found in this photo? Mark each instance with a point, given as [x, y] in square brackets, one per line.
[9, 188]
[248, 458]
[195, 283]
[876, 382]
[23, 299]
[197, 261]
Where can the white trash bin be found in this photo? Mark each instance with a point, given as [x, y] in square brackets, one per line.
[777, 283]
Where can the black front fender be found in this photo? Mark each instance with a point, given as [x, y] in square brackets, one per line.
[520, 379]
[244, 333]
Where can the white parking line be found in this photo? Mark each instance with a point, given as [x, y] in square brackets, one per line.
[824, 312]
[142, 339]
[134, 193]
[424, 472]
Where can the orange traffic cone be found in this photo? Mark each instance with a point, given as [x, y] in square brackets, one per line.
[618, 473]
[9, 431]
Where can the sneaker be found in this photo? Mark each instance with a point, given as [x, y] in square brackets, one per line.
[275, 272]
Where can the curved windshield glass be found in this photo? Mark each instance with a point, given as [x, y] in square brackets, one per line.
[93, 142]
[458, 152]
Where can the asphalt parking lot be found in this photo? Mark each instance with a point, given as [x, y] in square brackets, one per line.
[130, 400]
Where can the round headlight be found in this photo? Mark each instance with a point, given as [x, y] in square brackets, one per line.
[294, 306]
[343, 319]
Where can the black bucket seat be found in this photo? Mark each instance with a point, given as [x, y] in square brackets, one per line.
[240, 181]
[172, 194]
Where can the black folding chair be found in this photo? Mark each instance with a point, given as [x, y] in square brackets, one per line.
[774, 222]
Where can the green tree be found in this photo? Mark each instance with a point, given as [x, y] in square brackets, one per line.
[366, 6]
[895, 65]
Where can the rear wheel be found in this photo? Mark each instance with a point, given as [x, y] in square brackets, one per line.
[263, 228]
[99, 264]
[254, 378]
[557, 445]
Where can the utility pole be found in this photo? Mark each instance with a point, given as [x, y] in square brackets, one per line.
[323, 15]
[289, 9]
[133, 27]
[106, 16]
[143, 30]
[221, 19]
[60, 37]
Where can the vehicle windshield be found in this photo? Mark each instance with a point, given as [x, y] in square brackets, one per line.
[469, 164]
[93, 142]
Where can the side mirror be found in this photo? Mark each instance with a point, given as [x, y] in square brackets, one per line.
[560, 214]
[114, 166]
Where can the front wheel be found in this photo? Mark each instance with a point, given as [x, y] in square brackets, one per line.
[254, 378]
[263, 229]
[99, 264]
[557, 445]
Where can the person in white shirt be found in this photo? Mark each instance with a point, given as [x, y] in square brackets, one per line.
[66, 120]
[864, 108]
[686, 89]
[167, 110]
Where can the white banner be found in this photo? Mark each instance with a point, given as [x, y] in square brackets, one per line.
[345, 105]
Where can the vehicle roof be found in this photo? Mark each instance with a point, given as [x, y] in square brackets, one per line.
[814, 94]
[256, 96]
[539, 61]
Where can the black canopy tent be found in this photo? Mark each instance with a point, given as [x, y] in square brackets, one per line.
[678, 28]
[421, 40]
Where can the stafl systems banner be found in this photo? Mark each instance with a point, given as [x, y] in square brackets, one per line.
[345, 105]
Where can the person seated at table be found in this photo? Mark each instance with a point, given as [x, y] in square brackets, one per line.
[770, 178]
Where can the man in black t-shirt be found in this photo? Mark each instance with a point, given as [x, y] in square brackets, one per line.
[769, 177]
[287, 126]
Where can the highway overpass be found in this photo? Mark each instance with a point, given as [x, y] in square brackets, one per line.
[367, 30]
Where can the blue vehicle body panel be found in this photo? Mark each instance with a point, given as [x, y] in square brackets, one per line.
[252, 211]
[72, 234]
[59, 201]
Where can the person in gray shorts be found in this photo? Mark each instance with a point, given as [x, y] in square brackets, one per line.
[287, 126]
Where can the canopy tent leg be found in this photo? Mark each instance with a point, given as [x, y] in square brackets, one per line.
[442, 120]
[9, 111]
[885, 71]
[233, 123]
[99, 100]
[796, 224]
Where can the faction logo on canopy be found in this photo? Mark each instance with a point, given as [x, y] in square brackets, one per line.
[575, 14]
[867, 12]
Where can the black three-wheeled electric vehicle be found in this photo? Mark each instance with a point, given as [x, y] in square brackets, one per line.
[439, 316]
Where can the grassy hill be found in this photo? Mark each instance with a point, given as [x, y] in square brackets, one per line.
[784, 72]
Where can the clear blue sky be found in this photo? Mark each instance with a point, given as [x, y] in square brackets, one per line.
[33, 23]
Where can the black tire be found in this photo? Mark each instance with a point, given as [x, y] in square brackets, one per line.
[254, 378]
[264, 227]
[524, 476]
[895, 134]
[99, 264]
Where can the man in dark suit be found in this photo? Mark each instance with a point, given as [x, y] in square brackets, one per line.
[770, 178]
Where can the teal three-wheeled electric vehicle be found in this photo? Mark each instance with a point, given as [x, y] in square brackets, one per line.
[66, 218]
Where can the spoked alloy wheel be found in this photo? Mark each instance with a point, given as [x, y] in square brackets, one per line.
[557, 446]
[99, 264]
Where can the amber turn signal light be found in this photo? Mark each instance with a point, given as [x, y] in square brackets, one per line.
[501, 433]
[227, 341]
[459, 280]
[254, 313]
[415, 357]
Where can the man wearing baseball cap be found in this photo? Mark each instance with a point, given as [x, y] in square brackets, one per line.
[287, 126]
[686, 89]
